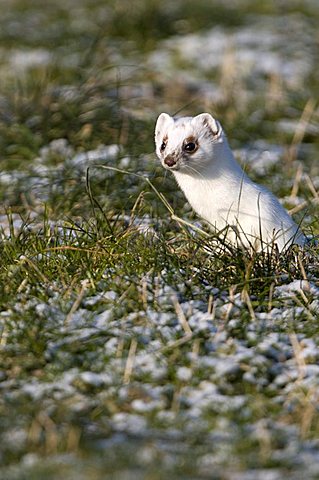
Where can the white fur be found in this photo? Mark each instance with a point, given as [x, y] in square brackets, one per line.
[218, 189]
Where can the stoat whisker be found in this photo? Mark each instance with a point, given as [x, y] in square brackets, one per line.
[200, 163]
[189, 167]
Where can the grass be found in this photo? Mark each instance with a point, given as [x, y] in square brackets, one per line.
[130, 345]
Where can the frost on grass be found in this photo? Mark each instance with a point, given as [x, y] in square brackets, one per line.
[21, 60]
[254, 52]
[260, 156]
[103, 153]
[216, 378]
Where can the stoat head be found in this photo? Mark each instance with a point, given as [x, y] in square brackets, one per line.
[187, 144]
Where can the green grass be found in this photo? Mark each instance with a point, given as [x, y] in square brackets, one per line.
[130, 347]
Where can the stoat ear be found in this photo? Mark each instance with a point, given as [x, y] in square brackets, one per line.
[208, 121]
[163, 121]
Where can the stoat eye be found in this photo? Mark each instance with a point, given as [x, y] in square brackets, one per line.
[190, 147]
[163, 146]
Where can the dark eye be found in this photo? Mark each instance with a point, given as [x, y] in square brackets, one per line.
[190, 147]
[163, 146]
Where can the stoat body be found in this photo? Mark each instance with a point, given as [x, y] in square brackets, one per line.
[196, 150]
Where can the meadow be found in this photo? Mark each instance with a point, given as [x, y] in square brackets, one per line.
[130, 347]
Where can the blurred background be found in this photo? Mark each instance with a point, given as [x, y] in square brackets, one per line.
[98, 72]
[87, 69]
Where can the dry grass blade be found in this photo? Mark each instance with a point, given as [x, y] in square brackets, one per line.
[77, 302]
[130, 362]
[181, 316]
[301, 128]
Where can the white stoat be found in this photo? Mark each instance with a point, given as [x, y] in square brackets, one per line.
[196, 150]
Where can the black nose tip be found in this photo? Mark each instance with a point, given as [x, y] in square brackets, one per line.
[169, 161]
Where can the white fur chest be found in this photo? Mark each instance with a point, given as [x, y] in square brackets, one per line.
[210, 199]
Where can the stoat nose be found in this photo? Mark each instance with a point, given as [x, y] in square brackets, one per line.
[169, 161]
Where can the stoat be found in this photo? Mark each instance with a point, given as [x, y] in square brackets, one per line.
[196, 150]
